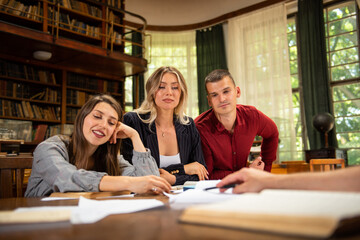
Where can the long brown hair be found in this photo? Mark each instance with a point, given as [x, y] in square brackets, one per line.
[105, 156]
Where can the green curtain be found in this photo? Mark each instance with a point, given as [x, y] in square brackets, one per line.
[210, 52]
[137, 52]
[314, 70]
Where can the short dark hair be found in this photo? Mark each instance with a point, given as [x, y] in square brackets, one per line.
[216, 75]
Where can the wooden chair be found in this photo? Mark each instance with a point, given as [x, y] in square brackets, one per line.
[12, 173]
[327, 164]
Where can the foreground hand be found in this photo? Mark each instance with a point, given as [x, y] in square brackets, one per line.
[149, 184]
[248, 180]
[258, 164]
[122, 131]
[167, 176]
[198, 169]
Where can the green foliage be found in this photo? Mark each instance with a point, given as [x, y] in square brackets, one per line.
[344, 72]
[347, 124]
[347, 108]
[353, 156]
[346, 92]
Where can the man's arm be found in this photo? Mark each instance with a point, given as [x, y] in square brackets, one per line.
[270, 139]
[252, 180]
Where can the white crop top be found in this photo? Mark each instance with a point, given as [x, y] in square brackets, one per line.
[166, 161]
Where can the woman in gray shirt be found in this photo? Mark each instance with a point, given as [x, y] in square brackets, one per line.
[89, 160]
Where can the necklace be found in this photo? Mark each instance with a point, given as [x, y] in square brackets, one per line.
[162, 131]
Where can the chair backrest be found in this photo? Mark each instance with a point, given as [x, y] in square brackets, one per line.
[326, 164]
[12, 174]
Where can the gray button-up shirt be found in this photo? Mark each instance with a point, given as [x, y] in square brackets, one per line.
[52, 172]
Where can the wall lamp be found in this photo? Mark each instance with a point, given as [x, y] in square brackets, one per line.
[42, 55]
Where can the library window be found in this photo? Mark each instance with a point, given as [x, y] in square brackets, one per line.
[342, 41]
[294, 76]
[128, 94]
[177, 50]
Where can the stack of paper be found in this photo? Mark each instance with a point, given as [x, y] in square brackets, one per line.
[306, 213]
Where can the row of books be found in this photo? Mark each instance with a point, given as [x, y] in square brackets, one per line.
[53, 130]
[29, 91]
[73, 24]
[71, 114]
[113, 18]
[18, 8]
[114, 3]
[16, 129]
[82, 7]
[23, 71]
[25, 130]
[81, 81]
[76, 97]
[26, 109]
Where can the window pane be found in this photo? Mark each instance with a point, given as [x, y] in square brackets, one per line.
[346, 92]
[348, 140]
[293, 67]
[293, 57]
[343, 41]
[296, 101]
[347, 124]
[347, 108]
[128, 94]
[292, 39]
[342, 26]
[341, 10]
[353, 156]
[344, 56]
[291, 26]
[343, 62]
[294, 81]
[293, 53]
[345, 72]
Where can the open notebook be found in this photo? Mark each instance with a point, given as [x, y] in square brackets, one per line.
[305, 213]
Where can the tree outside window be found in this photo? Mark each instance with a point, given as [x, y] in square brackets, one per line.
[342, 41]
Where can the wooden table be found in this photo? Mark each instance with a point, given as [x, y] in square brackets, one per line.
[10, 141]
[161, 223]
[7, 165]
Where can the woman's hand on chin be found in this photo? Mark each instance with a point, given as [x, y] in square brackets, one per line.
[122, 131]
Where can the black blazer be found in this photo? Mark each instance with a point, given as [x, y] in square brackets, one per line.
[188, 139]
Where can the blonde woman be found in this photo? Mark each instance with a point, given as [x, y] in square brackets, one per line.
[163, 127]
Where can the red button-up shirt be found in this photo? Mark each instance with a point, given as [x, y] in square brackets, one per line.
[227, 152]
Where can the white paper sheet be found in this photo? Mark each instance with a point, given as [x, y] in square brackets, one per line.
[90, 211]
[206, 184]
[292, 202]
[199, 196]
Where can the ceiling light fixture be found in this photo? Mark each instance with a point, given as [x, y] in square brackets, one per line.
[42, 55]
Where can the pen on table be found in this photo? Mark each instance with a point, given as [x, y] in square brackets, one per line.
[225, 186]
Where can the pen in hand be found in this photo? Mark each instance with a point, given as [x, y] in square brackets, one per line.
[225, 186]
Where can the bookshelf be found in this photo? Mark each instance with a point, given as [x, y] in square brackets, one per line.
[82, 34]
[48, 96]
[88, 21]
[86, 39]
[81, 87]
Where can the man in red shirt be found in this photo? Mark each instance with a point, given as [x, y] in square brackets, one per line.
[228, 129]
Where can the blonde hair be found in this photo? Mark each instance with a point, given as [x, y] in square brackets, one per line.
[152, 85]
